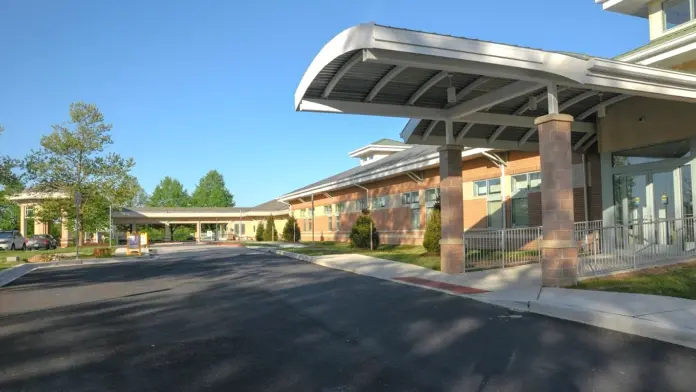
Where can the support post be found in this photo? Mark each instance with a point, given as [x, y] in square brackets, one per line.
[198, 231]
[559, 250]
[23, 220]
[452, 205]
[167, 232]
[65, 232]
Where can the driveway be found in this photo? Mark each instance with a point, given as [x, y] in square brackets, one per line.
[239, 320]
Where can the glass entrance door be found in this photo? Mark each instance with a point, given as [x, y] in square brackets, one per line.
[664, 211]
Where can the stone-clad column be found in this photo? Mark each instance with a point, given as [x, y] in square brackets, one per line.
[451, 203]
[559, 250]
[23, 219]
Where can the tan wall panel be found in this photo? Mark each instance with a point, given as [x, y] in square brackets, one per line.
[638, 122]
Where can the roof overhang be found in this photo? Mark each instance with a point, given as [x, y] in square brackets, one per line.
[401, 168]
[136, 213]
[373, 148]
[629, 7]
[665, 54]
[376, 70]
[36, 197]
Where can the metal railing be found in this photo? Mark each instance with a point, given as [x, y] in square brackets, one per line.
[637, 244]
[484, 249]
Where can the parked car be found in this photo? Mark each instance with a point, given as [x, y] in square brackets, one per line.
[42, 241]
[12, 240]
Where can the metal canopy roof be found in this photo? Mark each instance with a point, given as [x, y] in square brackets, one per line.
[500, 89]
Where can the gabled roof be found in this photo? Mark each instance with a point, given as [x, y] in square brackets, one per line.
[387, 142]
[414, 159]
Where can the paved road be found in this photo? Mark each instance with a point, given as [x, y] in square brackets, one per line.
[233, 320]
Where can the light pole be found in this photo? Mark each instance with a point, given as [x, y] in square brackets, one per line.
[78, 201]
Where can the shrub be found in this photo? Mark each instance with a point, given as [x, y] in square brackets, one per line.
[259, 232]
[288, 230]
[433, 230]
[182, 233]
[360, 233]
[270, 233]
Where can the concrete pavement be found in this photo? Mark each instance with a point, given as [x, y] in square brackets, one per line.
[236, 320]
[664, 318]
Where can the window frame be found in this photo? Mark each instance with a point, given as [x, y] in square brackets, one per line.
[415, 213]
[409, 196]
[512, 211]
[487, 182]
[528, 178]
[664, 14]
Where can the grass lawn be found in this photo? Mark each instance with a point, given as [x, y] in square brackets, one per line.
[411, 254]
[24, 255]
[674, 281]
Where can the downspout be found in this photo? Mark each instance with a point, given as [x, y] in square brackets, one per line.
[312, 218]
[584, 185]
[367, 202]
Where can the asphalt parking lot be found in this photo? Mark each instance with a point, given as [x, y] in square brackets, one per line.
[239, 320]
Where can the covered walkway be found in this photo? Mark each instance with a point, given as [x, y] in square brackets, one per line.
[461, 92]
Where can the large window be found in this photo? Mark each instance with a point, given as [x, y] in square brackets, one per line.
[520, 211]
[526, 182]
[409, 198]
[362, 204]
[431, 195]
[677, 12]
[487, 187]
[379, 202]
[327, 210]
[415, 218]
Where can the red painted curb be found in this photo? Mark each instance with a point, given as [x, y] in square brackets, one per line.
[453, 288]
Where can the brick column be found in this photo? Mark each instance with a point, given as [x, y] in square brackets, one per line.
[452, 210]
[559, 250]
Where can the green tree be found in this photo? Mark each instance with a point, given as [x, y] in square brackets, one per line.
[183, 233]
[360, 233]
[270, 233]
[169, 193]
[10, 183]
[141, 198]
[72, 159]
[433, 230]
[211, 192]
[259, 232]
[291, 227]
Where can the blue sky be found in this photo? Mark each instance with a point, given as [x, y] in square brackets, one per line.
[191, 86]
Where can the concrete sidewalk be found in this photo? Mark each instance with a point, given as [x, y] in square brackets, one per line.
[667, 319]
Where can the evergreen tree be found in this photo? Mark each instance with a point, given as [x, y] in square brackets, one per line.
[291, 227]
[360, 233]
[433, 230]
[259, 232]
[270, 233]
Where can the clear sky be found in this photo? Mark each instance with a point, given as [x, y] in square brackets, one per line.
[191, 86]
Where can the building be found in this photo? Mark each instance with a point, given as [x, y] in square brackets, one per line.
[566, 138]
[511, 137]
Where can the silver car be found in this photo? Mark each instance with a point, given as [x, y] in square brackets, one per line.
[12, 240]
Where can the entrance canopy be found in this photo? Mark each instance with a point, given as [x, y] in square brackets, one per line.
[470, 92]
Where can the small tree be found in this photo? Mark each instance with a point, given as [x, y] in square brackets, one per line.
[291, 227]
[433, 230]
[259, 232]
[360, 233]
[270, 233]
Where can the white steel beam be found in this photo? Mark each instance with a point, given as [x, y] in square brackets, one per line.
[606, 103]
[464, 131]
[426, 86]
[449, 132]
[536, 99]
[429, 130]
[384, 81]
[341, 72]
[469, 88]
[492, 98]
[552, 93]
[565, 105]
[370, 109]
[582, 141]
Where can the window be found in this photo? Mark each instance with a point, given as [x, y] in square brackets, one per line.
[526, 182]
[243, 227]
[431, 195]
[415, 218]
[487, 187]
[495, 213]
[327, 210]
[379, 202]
[304, 225]
[339, 208]
[330, 223]
[309, 224]
[409, 198]
[677, 12]
[302, 213]
[361, 204]
[520, 211]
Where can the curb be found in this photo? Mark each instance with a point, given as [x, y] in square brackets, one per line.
[11, 274]
[630, 325]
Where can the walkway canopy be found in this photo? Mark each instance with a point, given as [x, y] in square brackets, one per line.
[487, 94]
